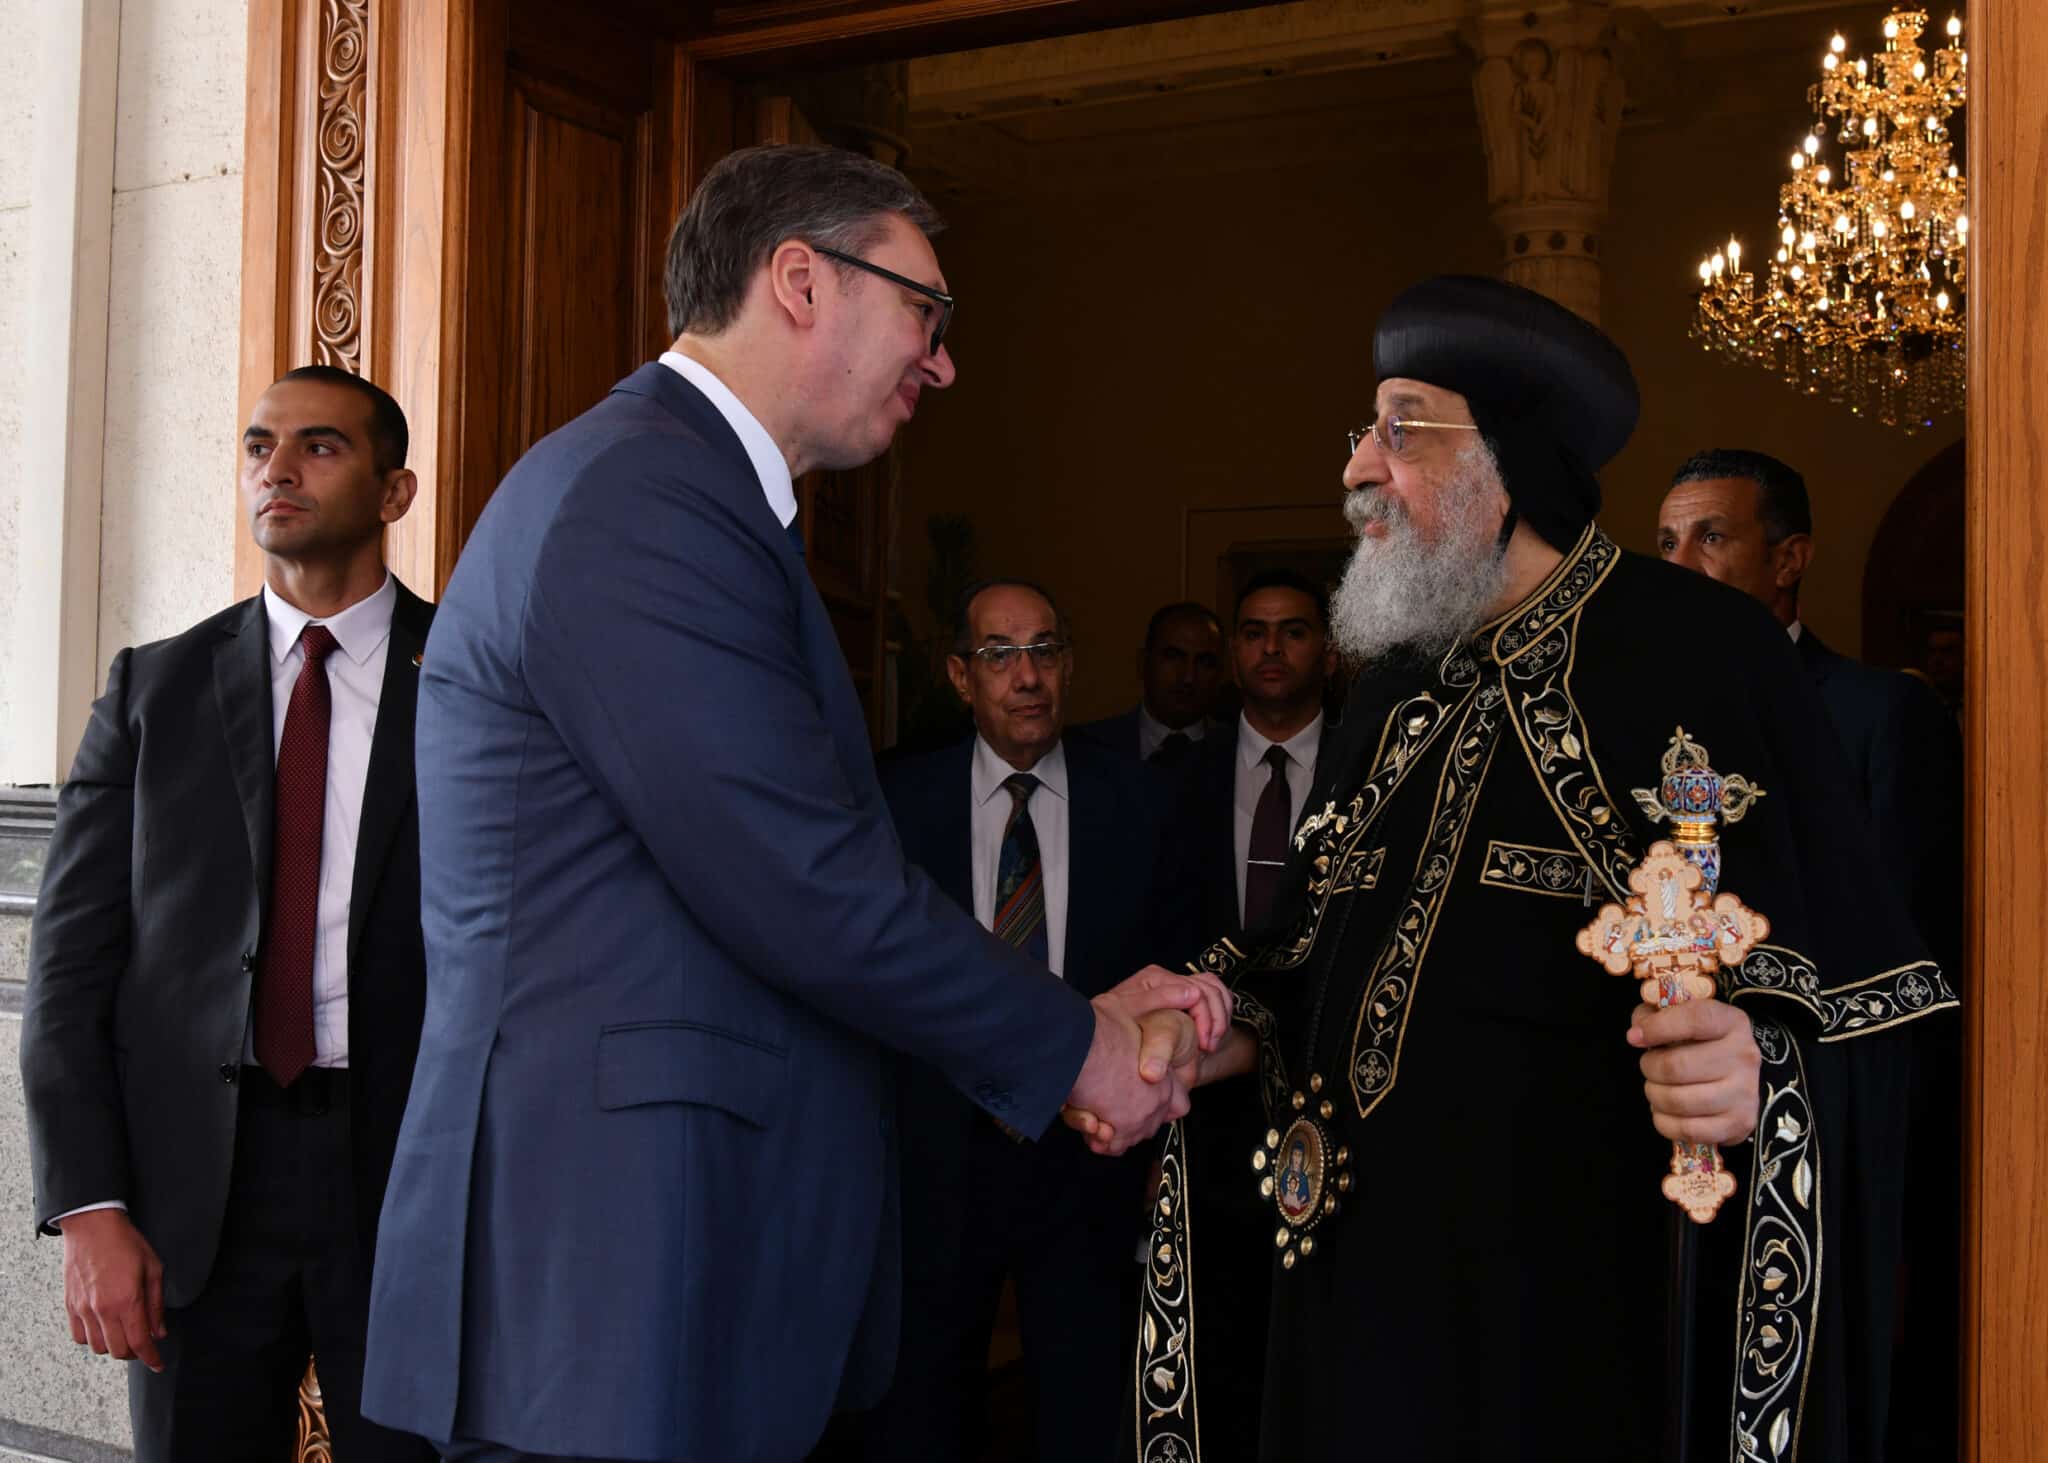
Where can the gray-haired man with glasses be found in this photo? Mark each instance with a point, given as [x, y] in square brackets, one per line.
[1062, 847]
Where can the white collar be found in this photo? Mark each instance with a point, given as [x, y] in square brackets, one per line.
[991, 771]
[358, 630]
[1159, 731]
[1300, 748]
[1793, 630]
[770, 466]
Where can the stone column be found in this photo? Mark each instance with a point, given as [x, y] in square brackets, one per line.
[1550, 99]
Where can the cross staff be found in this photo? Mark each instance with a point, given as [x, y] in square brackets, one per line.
[1674, 933]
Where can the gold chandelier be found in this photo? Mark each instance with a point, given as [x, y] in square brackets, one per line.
[1863, 301]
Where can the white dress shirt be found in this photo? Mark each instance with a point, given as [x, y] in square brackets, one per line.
[770, 466]
[1152, 731]
[1253, 775]
[355, 683]
[991, 815]
[1793, 630]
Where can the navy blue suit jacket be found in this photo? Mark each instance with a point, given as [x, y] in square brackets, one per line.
[644, 1204]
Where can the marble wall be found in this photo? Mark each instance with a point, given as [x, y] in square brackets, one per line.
[167, 508]
[166, 556]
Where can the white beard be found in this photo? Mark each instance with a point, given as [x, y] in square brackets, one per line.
[1401, 593]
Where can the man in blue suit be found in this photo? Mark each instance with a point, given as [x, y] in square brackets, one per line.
[644, 1203]
[1071, 850]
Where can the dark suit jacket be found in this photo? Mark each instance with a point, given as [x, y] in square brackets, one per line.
[1905, 753]
[1129, 898]
[1119, 733]
[150, 918]
[1211, 813]
[644, 1203]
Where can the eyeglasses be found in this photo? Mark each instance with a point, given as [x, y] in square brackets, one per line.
[940, 297]
[1390, 434]
[1045, 654]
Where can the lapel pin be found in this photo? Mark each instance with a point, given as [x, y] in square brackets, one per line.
[419, 659]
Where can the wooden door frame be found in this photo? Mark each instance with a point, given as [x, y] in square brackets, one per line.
[396, 236]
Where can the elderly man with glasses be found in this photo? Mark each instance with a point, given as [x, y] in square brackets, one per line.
[1479, 1265]
[1063, 847]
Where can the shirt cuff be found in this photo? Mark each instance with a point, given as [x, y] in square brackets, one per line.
[87, 1209]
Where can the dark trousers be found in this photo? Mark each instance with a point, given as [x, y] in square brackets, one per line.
[290, 1280]
[1067, 1237]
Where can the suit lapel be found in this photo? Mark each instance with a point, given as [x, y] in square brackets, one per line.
[388, 784]
[241, 689]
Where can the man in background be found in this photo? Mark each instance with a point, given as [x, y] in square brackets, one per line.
[1054, 844]
[225, 972]
[1180, 675]
[1744, 518]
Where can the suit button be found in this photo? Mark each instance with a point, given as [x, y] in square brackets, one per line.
[228, 1072]
[248, 960]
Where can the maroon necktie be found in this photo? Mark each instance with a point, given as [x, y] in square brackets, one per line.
[284, 985]
[1266, 859]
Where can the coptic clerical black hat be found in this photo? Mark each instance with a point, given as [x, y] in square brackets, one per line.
[1552, 395]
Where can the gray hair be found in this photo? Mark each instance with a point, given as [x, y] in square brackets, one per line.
[757, 198]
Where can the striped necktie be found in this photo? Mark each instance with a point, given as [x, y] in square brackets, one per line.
[1020, 880]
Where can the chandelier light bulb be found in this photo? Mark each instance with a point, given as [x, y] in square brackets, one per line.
[1828, 62]
[1825, 177]
[1808, 243]
[1784, 256]
[1870, 126]
[1838, 45]
[1891, 30]
[1798, 161]
[1841, 223]
[1953, 170]
[1734, 256]
[1789, 237]
[1799, 271]
[1812, 144]
[1919, 70]
[1706, 271]
[1955, 25]
[1862, 67]
[1878, 228]
[1720, 264]
[1941, 301]
[1889, 176]
[1906, 209]
[1962, 223]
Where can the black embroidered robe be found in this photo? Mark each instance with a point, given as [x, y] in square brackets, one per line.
[1492, 1282]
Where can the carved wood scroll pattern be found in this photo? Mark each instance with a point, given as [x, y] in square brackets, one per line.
[338, 236]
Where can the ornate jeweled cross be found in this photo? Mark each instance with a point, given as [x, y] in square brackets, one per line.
[1677, 931]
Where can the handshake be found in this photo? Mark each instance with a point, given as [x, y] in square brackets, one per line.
[1151, 1034]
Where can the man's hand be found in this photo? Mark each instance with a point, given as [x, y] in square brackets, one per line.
[1701, 1070]
[113, 1287]
[1127, 1083]
[1155, 988]
[1106, 1105]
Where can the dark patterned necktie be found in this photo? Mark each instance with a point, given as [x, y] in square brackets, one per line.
[1172, 750]
[284, 983]
[1266, 859]
[1020, 880]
